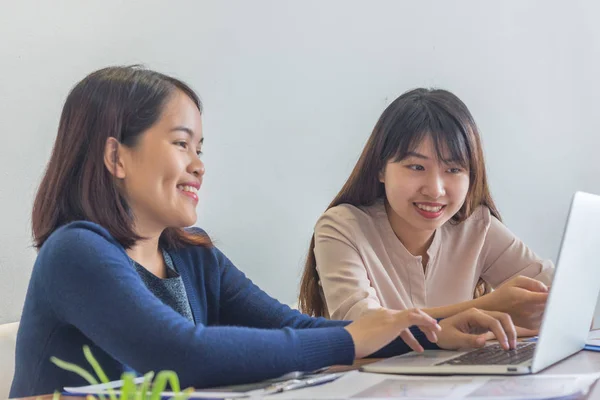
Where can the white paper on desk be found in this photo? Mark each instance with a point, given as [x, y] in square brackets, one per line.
[360, 385]
[193, 395]
[101, 386]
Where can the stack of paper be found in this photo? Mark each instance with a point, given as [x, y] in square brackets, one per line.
[261, 389]
[361, 385]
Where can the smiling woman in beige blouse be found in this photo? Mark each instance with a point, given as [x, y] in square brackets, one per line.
[415, 226]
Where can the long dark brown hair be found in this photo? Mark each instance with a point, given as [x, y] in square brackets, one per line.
[119, 102]
[402, 126]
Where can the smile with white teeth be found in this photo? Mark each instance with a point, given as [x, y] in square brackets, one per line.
[187, 188]
[428, 208]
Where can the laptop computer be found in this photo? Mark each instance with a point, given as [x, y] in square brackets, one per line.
[565, 324]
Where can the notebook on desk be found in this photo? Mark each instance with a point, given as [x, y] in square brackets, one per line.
[566, 322]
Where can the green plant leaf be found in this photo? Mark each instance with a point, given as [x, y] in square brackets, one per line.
[76, 369]
[67, 366]
[98, 370]
[145, 386]
[160, 383]
[128, 390]
[185, 394]
[94, 363]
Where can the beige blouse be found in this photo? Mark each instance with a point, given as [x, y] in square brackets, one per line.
[362, 265]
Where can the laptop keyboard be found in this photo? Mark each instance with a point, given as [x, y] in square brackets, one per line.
[495, 355]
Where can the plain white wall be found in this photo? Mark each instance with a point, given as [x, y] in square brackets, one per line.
[292, 91]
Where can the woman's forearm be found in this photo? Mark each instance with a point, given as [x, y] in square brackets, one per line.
[448, 311]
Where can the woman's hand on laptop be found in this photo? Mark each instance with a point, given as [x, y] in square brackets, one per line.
[469, 329]
[522, 297]
[380, 327]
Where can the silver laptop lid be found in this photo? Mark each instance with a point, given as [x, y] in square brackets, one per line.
[576, 284]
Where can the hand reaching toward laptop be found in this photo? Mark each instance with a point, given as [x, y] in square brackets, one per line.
[466, 329]
[522, 297]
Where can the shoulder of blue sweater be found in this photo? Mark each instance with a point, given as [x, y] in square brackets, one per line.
[72, 236]
[80, 231]
[78, 246]
[80, 240]
[199, 251]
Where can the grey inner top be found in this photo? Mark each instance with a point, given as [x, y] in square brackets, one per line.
[170, 290]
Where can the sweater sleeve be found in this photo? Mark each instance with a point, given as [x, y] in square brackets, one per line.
[244, 303]
[91, 285]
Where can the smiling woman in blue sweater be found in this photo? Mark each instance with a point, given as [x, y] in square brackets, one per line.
[118, 271]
